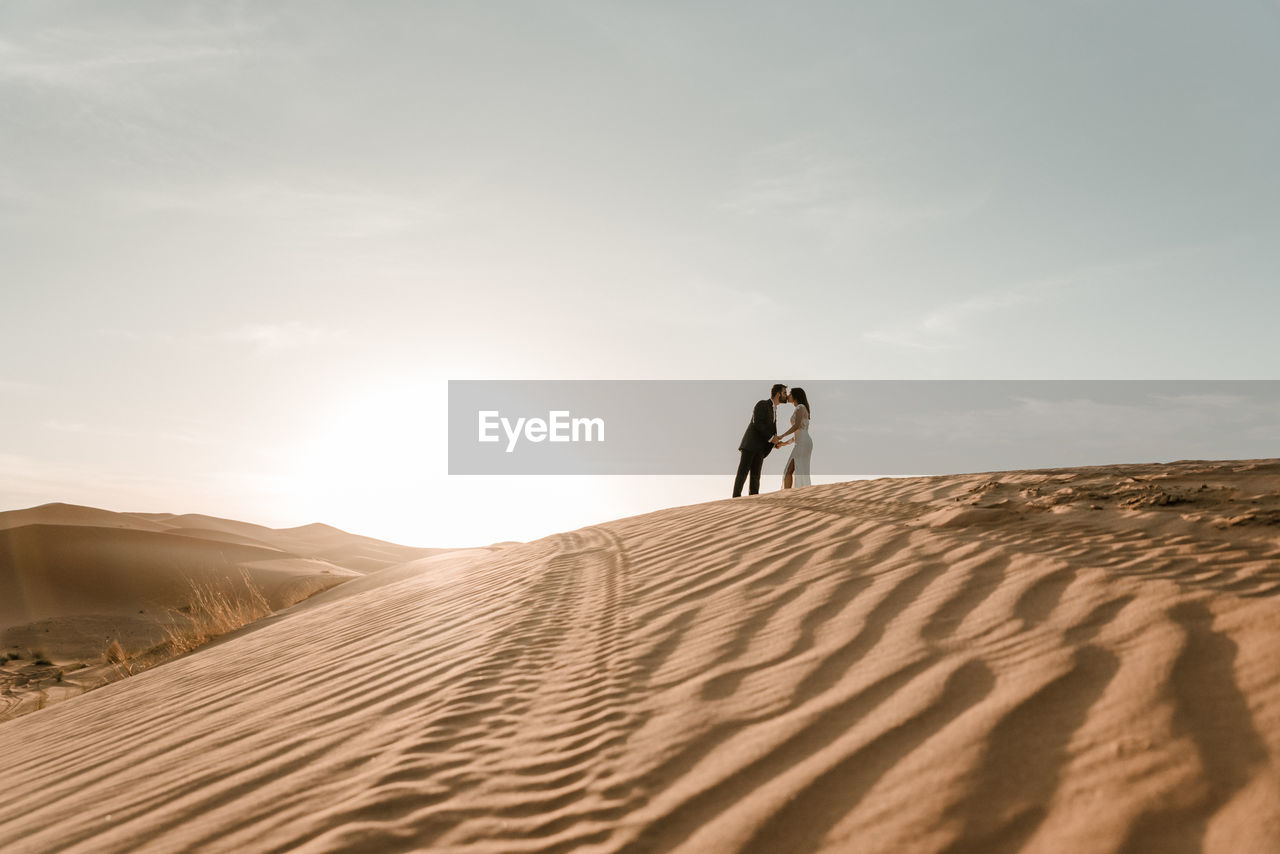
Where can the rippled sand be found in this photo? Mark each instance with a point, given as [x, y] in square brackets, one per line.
[1069, 660]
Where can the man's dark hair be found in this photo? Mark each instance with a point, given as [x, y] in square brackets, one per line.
[777, 387]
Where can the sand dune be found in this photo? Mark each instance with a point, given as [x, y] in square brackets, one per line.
[323, 542]
[76, 514]
[221, 536]
[74, 580]
[60, 570]
[1065, 660]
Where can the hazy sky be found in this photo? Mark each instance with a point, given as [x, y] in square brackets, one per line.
[243, 246]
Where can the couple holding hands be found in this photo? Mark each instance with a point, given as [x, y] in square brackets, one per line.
[762, 437]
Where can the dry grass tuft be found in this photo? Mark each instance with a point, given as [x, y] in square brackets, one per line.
[214, 609]
[114, 653]
[211, 609]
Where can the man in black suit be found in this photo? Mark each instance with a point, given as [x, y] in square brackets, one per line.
[761, 438]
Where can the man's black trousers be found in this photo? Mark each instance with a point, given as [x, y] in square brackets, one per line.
[749, 464]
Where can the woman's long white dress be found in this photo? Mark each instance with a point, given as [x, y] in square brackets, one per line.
[803, 449]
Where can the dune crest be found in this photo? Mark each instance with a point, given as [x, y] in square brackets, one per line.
[1059, 660]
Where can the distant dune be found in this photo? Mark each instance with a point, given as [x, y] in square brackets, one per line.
[313, 540]
[74, 580]
[1078, 660]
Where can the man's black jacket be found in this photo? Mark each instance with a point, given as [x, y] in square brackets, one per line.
[762, 428]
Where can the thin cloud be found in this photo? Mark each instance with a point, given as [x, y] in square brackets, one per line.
[263, 337]
[138, 335]
[952, 326]
[108, 63]
[807, 180]
[278, 337]
[945, 328]
[42, 44]
[95, 73]
[17, 386]
[66, 426]
[323, 211]
[59, 425]
[703, 305]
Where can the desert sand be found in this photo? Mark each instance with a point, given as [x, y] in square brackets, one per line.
[1061, 660]
[74, 580]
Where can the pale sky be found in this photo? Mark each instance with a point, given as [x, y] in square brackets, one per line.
[243, 246]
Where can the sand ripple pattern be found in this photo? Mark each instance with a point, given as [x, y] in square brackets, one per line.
[1071, 660]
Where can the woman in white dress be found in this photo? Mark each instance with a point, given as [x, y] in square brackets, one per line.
[798, 465]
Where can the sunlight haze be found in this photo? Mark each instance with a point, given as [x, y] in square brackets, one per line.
[246, 245]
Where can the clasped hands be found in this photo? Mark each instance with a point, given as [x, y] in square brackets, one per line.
[777, 442]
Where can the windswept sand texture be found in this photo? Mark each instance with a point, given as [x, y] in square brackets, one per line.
[1070, 660]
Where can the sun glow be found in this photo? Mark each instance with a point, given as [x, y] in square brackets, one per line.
[376, 463]
[372, 460]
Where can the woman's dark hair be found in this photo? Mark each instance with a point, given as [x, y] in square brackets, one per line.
[801, 397]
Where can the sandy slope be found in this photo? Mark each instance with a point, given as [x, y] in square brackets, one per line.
[58, 570]
[74, 580]
[965, 664]
[64, 561]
